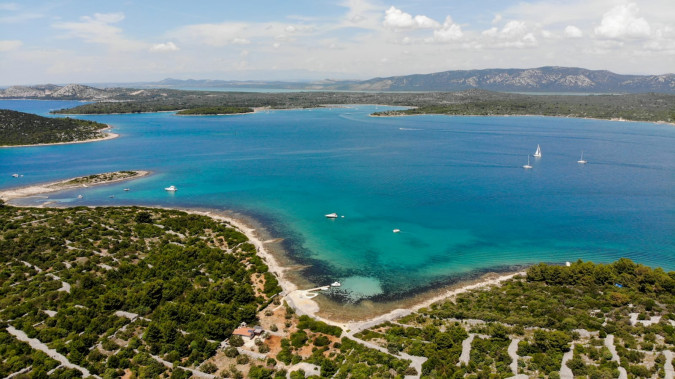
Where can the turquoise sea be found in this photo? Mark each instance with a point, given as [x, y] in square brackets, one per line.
[454, 186]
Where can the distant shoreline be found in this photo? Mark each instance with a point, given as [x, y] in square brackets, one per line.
[617, 119]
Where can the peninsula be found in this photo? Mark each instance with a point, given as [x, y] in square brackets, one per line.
[26, 129]
[82, 181]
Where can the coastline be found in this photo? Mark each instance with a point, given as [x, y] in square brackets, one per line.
[616, 119]
[297, 292]
[108, 136]
[61, 185]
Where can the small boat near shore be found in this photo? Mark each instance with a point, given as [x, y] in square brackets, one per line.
[126, 189]
[15, 175]
[397, 230]
[332, 215]
[335, 284]
[171, 188]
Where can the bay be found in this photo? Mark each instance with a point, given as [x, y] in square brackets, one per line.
[454, 186]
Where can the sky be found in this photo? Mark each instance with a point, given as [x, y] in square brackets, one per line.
[87, 41]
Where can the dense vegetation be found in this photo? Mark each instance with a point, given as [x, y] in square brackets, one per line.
[550, 311]
[637, 107]
[183, 281]
[215, 110]
[19, 128]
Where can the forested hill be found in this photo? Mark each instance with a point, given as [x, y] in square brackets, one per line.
[19, 128]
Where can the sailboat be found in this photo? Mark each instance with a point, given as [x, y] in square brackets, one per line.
[537, 154]
[581, 160]
[527, 166]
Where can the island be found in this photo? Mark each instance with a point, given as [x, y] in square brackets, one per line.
[146, 292]
[26, 129]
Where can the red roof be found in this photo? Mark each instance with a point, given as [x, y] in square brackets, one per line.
[248, 332]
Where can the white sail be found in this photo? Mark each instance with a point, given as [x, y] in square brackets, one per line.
[538, 152]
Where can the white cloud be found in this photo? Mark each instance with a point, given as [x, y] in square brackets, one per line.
[164, 47]
[214, 34]
[622, 21]
[513, 29]
[449, 32]
[514, 34]
[572, 31]
[98, 29]
[8, 45]
[395, 18]
[240, 41]
[106, 18]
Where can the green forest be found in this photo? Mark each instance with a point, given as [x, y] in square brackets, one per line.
[19, 128]
[180, 293]
[548, 312]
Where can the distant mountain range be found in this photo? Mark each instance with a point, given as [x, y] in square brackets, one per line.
[543, 79]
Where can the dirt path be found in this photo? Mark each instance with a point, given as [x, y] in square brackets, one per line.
[513, 353]
[669, 364]
[466, 350]
[38, 345]
[609, 342]
[416, 362]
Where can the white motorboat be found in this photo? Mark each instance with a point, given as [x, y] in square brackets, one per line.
[332, 215]
[335, 284]
[15, 175]
[171, 188]
[126, 189]
[397, 230]
[537, 154]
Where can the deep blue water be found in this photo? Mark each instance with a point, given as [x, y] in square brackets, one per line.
[454, 186]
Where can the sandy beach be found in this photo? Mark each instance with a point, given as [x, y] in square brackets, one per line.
[108, 135]
[298, 293]
[62, 185]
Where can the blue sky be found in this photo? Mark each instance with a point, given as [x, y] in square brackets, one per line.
[63, 41]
